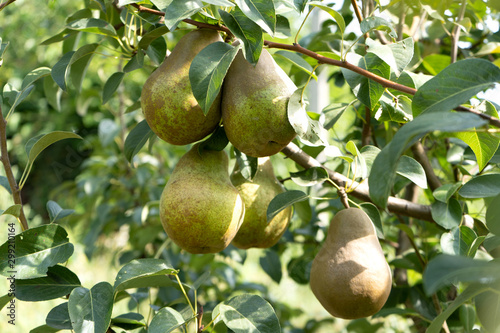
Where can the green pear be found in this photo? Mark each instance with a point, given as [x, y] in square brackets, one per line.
[257, 194]
[200, 209]
[350, 276]
[167, 100]
[254, 106]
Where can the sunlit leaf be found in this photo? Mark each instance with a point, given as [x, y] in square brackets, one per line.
[284, 200]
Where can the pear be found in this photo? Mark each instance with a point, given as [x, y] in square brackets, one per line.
[350, 276]
[200, 209]
[257, 194]
[254, 106]
[167, 100]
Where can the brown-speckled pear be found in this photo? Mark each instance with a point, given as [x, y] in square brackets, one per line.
[168, 103]
[200, 209]
[254, 106]
[257, 194]
[350, 276]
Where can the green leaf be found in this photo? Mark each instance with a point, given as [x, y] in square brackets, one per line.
[3, 48]
[136, 62]
[19, 97]
[493, 216]
[261, 12]
[111, 85]
[467, 316]
[458, 241]
[4, 182]
[93, 25]
[374, 214]
[37, 144]
[178, 10]
[14, 210]
[247, 31]
[136, 139]
[384, 167]
[157, 51]
[482, 186]
[152, 35]
[271, 264]
[60, 70]
[144, 273]
[128, 321]
[396, 110]
[448, 215]
[411, 169]
[207, 71]
[248, 165]
[333, 13]
[248, 313]
[35, 75]
[90, 310]
[79, 63]
[483, 144]
[445, 192]
[377, 23]
[37, 249]
[487, 306]
[397, 55]
[435, 63]
[166, 320]
[46, 140]
[217, 141]
[333, 112]
[446, 269]
[310, 131]
[6, 299]
[284, 200]
[471, 291]
[310, 177]
[44, 329]
[283, 29]
[56, 212]
[58, 317]
[366, 90]
[455, 85]
[359, 167]
[52, 93]
[298, 61]
[59, 282]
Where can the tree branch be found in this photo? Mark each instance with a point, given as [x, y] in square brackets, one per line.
[394, 205]
[420, 155]
[4, 157]
[455, 34]
[325, 60]
[5, 4]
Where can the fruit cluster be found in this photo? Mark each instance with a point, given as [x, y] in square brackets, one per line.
[203, 209]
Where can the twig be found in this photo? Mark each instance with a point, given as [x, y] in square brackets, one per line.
[420, 155]
[360, 191]
[5, 4]
[4, 156]
[455, 34]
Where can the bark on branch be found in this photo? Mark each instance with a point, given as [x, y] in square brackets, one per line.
[394, 205]
[4, 157]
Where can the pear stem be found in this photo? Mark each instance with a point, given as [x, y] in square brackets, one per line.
[343, 197]
[185, 294]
